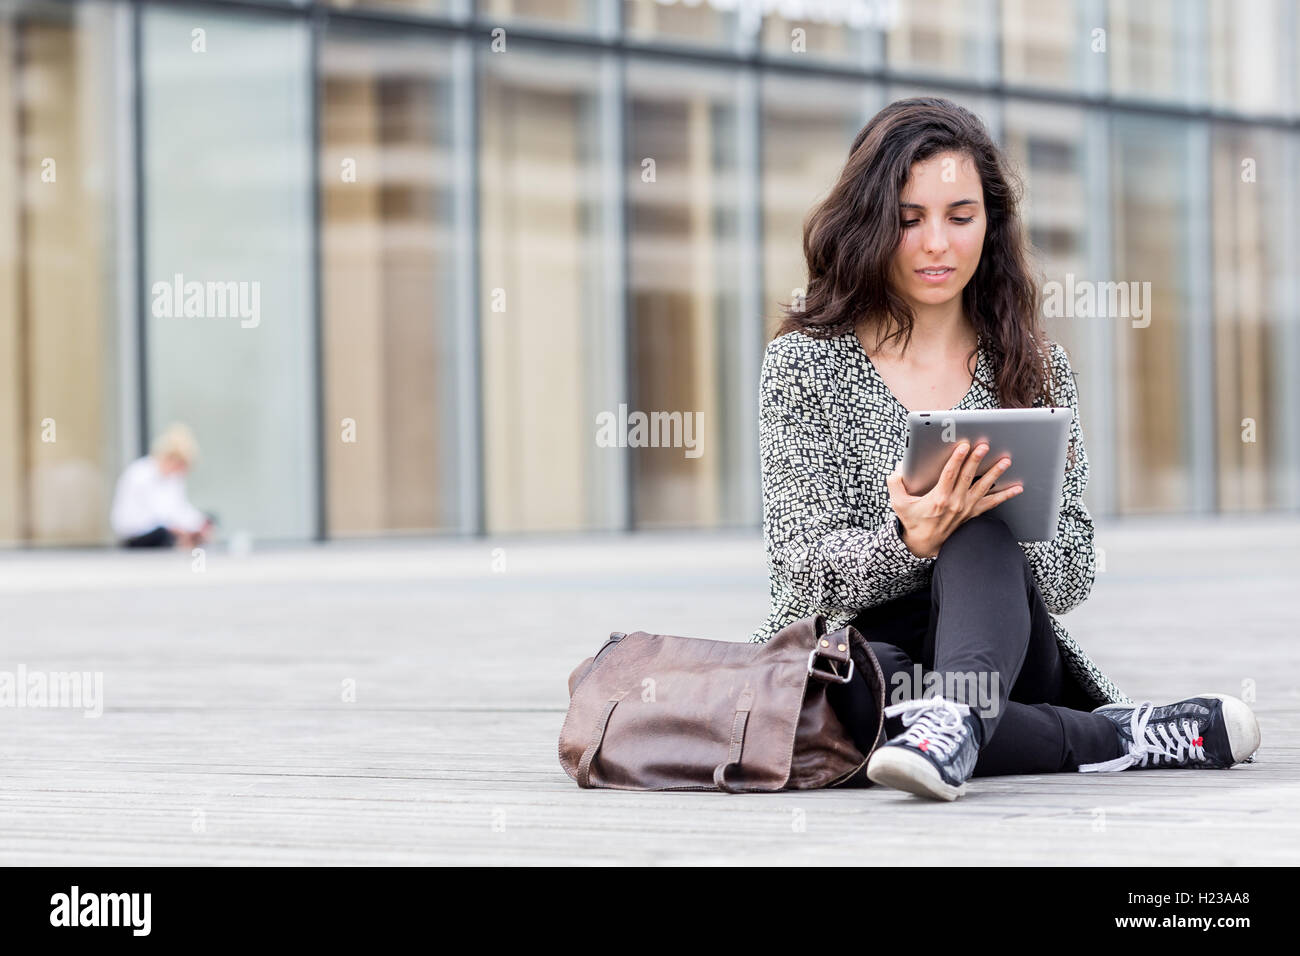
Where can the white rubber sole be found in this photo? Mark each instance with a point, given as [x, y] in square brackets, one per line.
[895, 767]
[1238, 718]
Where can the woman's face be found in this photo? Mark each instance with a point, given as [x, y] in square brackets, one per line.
[173, 465]
[942, 213]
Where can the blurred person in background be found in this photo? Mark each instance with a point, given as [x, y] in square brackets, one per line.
[150, 506]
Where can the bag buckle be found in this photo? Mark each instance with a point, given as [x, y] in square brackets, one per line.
[831, 675]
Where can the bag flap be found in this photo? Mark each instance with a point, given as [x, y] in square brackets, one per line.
[582, 669]
[677, 714]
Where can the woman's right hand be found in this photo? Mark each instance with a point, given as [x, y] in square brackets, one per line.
[928, 519]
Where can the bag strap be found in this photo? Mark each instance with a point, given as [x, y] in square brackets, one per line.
[836, 648]
[738, 725]
[597, 737]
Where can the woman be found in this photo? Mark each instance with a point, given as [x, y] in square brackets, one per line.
[920, 296]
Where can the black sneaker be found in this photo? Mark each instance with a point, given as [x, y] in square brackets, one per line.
[1208, 731]
[935, 756]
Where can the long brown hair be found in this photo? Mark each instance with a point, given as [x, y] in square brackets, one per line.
[850, 237]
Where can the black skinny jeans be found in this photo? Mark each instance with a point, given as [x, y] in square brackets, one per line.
[159, 537]
[983, 615]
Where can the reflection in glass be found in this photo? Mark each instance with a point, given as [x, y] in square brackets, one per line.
[850, 33]
[389, 284]
[569, 13]
[685, 275]
[1149, 206]
[59, 435]
[1046, 144]
[1250, 275]
[808, 127]
[1044, 44]
[679, 22]
[546, 338]
[1150, 46]
[437, 7]
[952, 37]
[1248, 55]
[227, 168]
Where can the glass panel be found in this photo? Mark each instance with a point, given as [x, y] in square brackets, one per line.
[1149, 48]
[684, 22]
[545, 333]
[952, 37]
[1250, 277]
[433, 7]
[851, 32]
[808, 127]
[390, 285]
[1044, 44]
[685, 276]
[1150, 198]
[59, 422]
[1046, 144]
[568, 13]
[227, 154]
[1248, 55]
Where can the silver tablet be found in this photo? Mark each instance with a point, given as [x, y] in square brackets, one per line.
[1036, 439]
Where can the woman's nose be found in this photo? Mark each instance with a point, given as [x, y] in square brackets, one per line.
[935, 239]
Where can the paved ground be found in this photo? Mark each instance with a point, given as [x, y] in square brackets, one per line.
[226, 737]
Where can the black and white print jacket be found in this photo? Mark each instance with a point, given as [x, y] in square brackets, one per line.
[830, 430]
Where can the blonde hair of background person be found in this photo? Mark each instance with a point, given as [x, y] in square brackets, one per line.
[178, 442]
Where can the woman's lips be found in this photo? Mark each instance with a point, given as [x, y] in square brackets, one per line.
[936, 278]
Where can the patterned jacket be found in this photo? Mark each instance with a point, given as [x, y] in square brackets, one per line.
[829, 432]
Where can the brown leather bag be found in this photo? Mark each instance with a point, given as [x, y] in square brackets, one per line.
[659, 712]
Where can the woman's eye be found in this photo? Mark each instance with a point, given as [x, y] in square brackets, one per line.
[956, 219]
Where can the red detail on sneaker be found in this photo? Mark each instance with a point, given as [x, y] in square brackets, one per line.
[924, 745]
[1198, 742]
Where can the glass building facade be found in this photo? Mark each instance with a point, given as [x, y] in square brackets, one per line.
[439, 240]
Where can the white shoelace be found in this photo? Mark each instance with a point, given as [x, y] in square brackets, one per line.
[1164, 741]
[935, 723]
